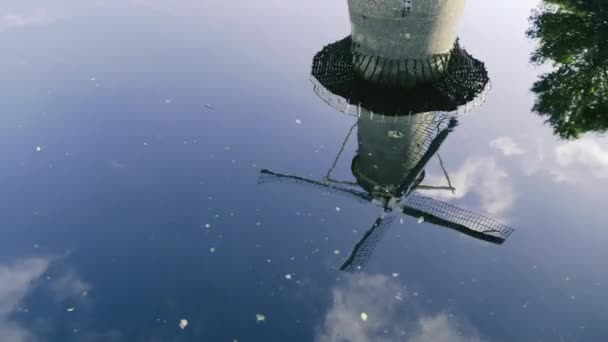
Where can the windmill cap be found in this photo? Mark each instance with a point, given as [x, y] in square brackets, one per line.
[336, 82]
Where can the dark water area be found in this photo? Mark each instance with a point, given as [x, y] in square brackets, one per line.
[217, 171]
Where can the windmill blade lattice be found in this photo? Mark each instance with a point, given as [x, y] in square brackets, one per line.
[364, 249]
[267, 176]
[449, 216]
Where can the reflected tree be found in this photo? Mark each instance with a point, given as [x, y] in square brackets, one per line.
[573, 36]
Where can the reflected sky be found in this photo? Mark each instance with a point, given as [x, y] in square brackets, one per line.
[132, 136]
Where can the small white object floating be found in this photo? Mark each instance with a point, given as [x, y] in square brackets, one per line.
[38, 148]
[183, 323]
[288, 276]
[363, 316]
[298, 121]
[421, 219]
[71, 309]
[260, 317]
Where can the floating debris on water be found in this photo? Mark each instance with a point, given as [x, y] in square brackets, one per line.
[207, 225]
[298, 121]
[260, 317]
[337, 251]
[395, 275]
[363, 316]
[421, 219]
[183, 323]
[288, 276]
[70, 309]
[38, 148]
[212, 249]
[398, 296]
[338, 209]
[401, 221]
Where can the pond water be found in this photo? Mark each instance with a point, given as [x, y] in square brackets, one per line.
[171, 171]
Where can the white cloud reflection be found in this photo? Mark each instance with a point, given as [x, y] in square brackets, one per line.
[574, 161]
[507, 146]
[580, 159]
[485, 179]
[389, 315]
[15, 282]
[69, 287]
[18, 280]
[34, 17]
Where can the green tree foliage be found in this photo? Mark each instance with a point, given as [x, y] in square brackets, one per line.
[573, 36]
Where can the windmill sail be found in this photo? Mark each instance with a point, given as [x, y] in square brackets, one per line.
[449, 216]
[267, 176]
[363, 250]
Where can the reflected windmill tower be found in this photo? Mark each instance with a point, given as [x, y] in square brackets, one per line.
[404, 42]
[404, 108]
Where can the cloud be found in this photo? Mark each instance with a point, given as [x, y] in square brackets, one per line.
[577, 160]
[69, 286]
[483, 177]
[35, 17]
[507, 146]
[15, 283]
[389, 317]
[440, 328]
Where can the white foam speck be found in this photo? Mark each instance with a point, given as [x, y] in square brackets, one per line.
[183, 323]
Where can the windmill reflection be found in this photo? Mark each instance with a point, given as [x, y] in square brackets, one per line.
[404, 78]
